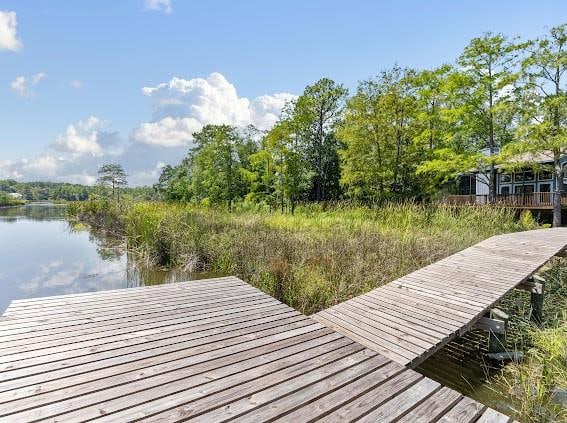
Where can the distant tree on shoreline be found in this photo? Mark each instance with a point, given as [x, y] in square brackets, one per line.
[113, 176]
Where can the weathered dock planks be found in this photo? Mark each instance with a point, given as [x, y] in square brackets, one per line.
[410, 318]
[207, 351]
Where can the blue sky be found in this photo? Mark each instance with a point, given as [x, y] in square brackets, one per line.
[92, 59]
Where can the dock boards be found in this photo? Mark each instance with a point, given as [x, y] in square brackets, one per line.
[410, 318]
[207, 351]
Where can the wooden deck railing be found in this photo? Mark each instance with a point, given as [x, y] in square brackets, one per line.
[532, 200]
[466, 200]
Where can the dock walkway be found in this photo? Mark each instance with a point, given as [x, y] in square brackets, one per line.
[206, 351]
[412, 317]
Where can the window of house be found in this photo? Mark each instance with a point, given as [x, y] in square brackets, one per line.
[524, 189]
[466, 185]
[528, 175]
[545, 175]
[544, 187]
[505, 178]
[505, 190]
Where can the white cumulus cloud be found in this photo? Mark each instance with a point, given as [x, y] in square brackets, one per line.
[44, 165]
[167, 132]
[50, 166]
[81, 138]
[22, 85]
[265, 110]
[159, 5]
[76, 155]
[8, 37]
[181, 107]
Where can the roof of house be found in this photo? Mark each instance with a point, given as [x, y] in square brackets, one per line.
[533, 157]
[544, 156]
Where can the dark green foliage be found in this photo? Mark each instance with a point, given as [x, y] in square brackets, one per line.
[316, 115]
[214, 171]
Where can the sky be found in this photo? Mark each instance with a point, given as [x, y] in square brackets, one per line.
[94, 81]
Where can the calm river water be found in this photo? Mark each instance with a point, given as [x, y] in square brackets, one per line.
[41, 254]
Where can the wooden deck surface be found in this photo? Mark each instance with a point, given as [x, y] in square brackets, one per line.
[206, 351]
[409, 319]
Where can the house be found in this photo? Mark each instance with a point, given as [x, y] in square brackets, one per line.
[529, 187]
[15, 195]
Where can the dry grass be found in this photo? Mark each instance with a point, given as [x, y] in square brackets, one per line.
[310, 260]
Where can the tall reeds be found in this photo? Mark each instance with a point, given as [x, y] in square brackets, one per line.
[310, 260]
[537, 386]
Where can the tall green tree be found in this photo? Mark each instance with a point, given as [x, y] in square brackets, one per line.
[113, 176]
[315, 116]
[217, 164]
[161, 186]
[379, 133]
[180, 186]
[543, 101]
[292, 174]
[440, 163]
[261, 176]
[431, 96]
[481, 101]
[279, 172]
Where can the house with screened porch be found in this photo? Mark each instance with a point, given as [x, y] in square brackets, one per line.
[526, 187]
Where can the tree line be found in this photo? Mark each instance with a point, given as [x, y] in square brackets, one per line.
[62, 191]
[402, 134]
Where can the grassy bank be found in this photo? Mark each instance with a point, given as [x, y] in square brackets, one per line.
[7, 201]
[310, 260]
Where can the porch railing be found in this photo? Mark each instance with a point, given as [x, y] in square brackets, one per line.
[531, 200]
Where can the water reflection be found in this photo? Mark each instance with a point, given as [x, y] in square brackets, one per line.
[33, 211]
[41, 254]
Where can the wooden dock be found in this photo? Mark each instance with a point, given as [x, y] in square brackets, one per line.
[411, 318]
[207, 351]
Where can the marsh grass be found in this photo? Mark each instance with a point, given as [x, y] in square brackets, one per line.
[310, 260]
[535, 384]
